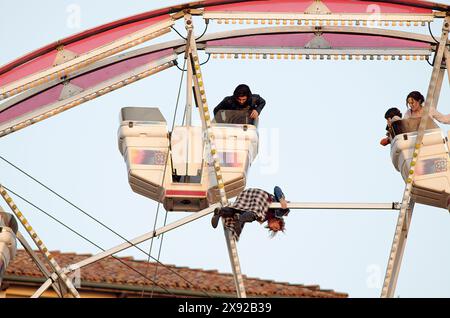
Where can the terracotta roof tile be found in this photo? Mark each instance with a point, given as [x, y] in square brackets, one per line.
[111, 271]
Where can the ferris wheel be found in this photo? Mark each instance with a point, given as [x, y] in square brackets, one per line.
[198, 169]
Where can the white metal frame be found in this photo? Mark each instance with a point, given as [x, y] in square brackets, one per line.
[405, 214]
[70, 67]
[41, 266]
[284, 17]
[447, 62]
[87, 95]
[202, 104]
[198, 215]
[86, 59]
[413, 53]
[180, 46]
[58, 272]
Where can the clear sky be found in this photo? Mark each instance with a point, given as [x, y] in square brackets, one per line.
[320, 135]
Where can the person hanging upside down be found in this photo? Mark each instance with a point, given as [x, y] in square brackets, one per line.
[253, 205]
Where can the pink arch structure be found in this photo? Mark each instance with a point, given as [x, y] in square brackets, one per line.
[78, 68]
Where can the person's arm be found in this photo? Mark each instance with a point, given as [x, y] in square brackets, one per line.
[385, 141]
[284, 203]
[395, 118]
[443, 119]
[259, 104]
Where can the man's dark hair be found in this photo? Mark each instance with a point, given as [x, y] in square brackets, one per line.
[242, 90]
[391, 112]
[416, 96]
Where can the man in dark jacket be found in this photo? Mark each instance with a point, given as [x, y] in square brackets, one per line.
[243, 99]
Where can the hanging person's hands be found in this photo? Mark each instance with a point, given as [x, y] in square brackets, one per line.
[284, 203]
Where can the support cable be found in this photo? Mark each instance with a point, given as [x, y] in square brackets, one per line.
[181, 69]
[96, 245]
[204, 31]
[181, 36]
[82, 236]
[58, 272]
[163, 178]
[435, 40]
[88, 215]
[155, 276]
[431, 33]
[201, 64]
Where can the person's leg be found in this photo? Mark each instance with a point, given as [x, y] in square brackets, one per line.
[247, 217]
[228, 212]
[241, 219]
[278, 193]
[225, 212]
[215, 218]
[279, 197]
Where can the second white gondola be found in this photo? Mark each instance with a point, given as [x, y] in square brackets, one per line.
[432, 181]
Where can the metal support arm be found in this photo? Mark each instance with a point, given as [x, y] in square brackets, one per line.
[404, 218]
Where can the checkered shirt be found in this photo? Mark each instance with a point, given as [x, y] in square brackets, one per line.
[256, 201]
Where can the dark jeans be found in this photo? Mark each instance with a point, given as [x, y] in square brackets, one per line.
[243, 216]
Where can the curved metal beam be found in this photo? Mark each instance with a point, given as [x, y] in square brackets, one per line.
[179, 47]
[302, 48]
[141, 27]
[109, 26]
[70, 101]
[417, 4]
[159, 13]
[323, 12]
[324, 29]
[93, 67]
[84, 49]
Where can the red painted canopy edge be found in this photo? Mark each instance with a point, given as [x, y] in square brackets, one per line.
[109, 26]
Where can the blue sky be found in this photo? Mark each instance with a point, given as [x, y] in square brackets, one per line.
[319, 140]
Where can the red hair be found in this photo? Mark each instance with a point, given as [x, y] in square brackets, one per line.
[271, 216]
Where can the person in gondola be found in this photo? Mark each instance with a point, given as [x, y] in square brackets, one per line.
[415, 102]
[415, 106]
[392, 115]
[243, 99]
[253, 205]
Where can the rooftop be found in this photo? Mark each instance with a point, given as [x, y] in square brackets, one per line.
[171, 280]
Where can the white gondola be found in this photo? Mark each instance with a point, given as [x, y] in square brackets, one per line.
[189, 183]
[432, 181]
